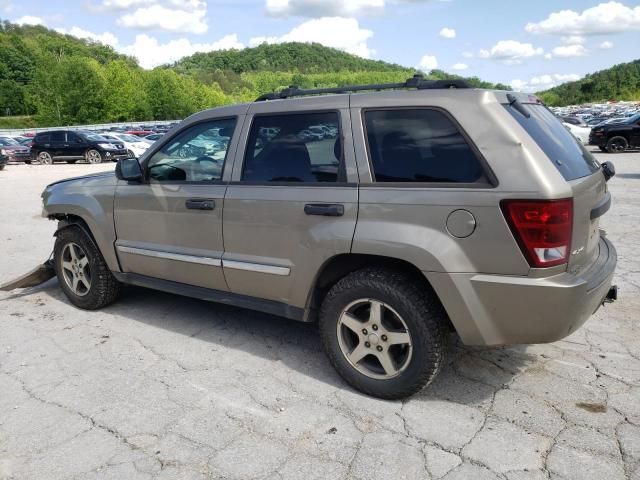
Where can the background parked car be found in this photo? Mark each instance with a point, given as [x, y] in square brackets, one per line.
[135, 146]
[71, 146]
[12, 151]
[617, 137]
[140, 132]
[579, 131]
[152, 138]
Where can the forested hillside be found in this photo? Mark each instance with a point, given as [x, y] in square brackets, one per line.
[620, 82]
[56, 79]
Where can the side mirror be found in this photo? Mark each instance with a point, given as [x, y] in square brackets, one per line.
[609, 170]
[129, 169]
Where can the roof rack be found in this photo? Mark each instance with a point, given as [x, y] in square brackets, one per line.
[417, 81]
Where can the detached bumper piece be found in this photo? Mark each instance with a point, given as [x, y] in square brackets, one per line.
[35, 277]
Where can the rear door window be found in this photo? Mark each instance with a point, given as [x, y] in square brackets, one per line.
[58, 137]
[420, 145]
[294, 148]
[566, 152]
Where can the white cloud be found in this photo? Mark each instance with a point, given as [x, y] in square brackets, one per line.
[160, 17]
[427, 63]
[460, 66]
[573, 40]
[150, 53]
[6, 6]
[123, 4]
[511, 51]
[543, 82]
[29, 20]
[337, 32]
[606, 45]
[567, 51]
[322, 8]
[106, 38]
[611, 17]
[448, 33]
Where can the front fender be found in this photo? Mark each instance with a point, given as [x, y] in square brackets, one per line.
[91, 200]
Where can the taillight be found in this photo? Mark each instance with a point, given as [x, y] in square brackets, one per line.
[542, 229]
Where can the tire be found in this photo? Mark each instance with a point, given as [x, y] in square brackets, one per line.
[97, 287]
[93, 156]
[420, 315]
[617, 144]
[71, 162]
[1, 167]
[603, 149]
[45, 158]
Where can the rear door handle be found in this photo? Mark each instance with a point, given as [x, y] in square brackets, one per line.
[200, 204]
[324, 209]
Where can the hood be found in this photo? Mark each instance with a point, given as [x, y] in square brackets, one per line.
[101, 178]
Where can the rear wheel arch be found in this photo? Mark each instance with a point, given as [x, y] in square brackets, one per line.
[339, 266]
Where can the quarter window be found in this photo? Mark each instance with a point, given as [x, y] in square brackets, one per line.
[419, 145]
[294, 148]
[194, 155]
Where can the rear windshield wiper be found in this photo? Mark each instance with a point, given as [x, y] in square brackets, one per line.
[515, 103]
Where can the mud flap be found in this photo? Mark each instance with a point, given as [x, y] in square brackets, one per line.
[38, 275]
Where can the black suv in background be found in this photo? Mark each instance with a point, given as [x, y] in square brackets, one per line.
[617, 137]
[71, 146]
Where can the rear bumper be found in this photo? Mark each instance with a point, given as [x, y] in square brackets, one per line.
[499, 310]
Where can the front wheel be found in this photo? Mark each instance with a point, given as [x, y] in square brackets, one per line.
[603, 149]
[93, 156]
[383, 333]
[83, 274]
[617, 145]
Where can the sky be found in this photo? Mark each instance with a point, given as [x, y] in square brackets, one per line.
[530, 46]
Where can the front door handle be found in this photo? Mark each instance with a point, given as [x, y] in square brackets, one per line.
[324, 209]
[200, 204]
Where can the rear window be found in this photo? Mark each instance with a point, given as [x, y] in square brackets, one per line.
[570, 158]
[419, 145]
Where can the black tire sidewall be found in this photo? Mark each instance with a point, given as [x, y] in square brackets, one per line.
[426, 338]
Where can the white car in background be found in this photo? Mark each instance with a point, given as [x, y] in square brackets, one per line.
[135, 145]
[580, 132]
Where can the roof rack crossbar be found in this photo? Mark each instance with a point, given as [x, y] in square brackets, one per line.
[417, 81]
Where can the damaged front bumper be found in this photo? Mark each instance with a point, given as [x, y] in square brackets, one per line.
[37, 276]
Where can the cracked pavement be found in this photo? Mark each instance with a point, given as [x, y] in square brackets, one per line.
[164, 387]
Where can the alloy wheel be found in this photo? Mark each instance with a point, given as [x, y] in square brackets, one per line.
[75, 269]
[93, 156]
[374, 339]
[45, 158]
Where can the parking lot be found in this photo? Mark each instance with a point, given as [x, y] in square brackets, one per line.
[160, 386]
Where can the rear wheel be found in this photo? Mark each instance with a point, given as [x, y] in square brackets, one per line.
[384, 334]
[617, 145]
[45, 158]
[93, 156]
[83, 274]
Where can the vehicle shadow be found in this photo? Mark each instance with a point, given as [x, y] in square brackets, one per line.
[470, 376]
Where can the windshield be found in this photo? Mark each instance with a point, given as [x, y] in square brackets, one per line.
[567, 154]
[633, 119]
[8, 141]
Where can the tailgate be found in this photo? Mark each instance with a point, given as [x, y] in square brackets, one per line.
[590, 201]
